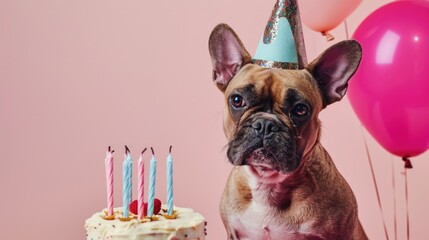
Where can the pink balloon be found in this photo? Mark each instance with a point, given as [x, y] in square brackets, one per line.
[325, 15]
[390, 90]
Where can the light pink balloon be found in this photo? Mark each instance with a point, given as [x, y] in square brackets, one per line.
[325, 15]
[390, 90]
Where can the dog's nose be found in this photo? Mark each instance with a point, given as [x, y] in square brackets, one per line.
[265, 127]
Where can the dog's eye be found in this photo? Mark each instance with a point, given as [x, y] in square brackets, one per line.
[237, 101]
[300, 110]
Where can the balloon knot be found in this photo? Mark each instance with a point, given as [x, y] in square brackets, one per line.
[328, 36]
[407, 162]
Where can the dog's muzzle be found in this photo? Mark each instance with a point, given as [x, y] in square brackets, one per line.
[266, 143]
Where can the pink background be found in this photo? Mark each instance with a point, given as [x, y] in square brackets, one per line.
[77, 76]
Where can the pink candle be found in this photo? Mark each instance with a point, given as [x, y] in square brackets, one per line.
[108, 163]
[140, 169]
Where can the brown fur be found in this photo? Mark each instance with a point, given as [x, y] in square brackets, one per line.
[316, 190]
[302, 196]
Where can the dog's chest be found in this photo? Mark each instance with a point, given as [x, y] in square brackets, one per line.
[259, 222]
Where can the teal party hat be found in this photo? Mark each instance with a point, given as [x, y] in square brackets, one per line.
[282, 45]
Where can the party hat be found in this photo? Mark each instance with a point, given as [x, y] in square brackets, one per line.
[282, 45]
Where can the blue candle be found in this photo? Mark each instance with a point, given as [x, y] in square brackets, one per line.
[126, 182]
[170, 184]
[130, 177]
[152, 178]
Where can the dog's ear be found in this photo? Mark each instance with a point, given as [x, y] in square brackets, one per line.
[334, 67]
[227, 53]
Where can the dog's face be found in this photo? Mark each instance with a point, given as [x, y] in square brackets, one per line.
[271, 117]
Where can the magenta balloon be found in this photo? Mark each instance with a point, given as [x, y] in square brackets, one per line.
[390, 90]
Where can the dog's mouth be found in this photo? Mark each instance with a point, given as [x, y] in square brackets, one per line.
[262, 163]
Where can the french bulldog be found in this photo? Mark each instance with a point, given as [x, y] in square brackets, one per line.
[284, 184]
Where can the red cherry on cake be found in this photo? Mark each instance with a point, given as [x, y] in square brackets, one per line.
[133, 207]
[145, 209]
[156, 206]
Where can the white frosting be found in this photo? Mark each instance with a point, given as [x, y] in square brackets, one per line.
[188, 225]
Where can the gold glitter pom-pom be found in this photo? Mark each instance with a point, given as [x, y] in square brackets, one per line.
[172, 216]
[153, 218]
[125, 219]
[111, 217]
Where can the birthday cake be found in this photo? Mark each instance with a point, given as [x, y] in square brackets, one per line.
[139, 219]
[188, 225]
